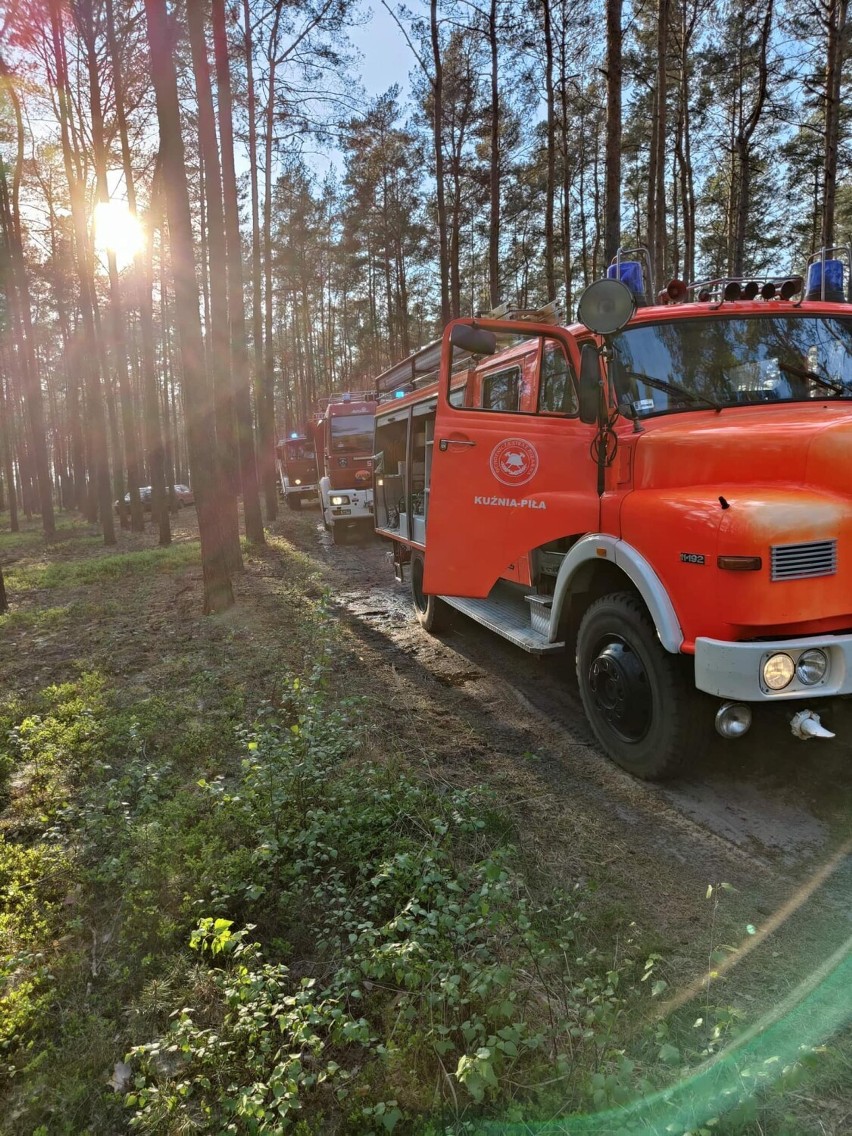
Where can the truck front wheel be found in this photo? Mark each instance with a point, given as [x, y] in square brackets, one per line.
[635, 693]
[294, 501]
[430, 611]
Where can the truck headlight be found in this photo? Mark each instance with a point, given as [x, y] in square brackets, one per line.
[812, 667]
[340, 500]
[297, 482]
[778, 671]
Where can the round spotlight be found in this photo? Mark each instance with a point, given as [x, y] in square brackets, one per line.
[811, 667]
[751, 289]
[791, 287]
[733, 291]
[606, 306]
[703, 296]
[768, 290]
[778, 671]
[733, 719]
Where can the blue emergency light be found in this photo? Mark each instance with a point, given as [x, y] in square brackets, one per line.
[399, 394]
[629, 272]
[294, 435]
[833, 281]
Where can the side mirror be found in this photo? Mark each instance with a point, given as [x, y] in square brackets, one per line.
[590, 384]
[476, 340]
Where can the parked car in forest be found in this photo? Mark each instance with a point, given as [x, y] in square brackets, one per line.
[183, 495]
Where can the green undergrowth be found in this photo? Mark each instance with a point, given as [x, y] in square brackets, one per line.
[102, 569]
[225, 912]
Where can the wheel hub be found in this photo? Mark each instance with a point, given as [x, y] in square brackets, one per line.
[619, 687]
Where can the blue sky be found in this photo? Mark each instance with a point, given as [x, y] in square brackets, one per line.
[387, 58]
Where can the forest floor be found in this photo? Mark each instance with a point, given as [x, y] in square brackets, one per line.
[676, 954]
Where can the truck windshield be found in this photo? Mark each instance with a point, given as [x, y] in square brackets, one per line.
[730, 361]
[352, 433]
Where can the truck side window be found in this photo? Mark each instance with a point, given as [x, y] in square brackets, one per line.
[557, 390]
[501, 390]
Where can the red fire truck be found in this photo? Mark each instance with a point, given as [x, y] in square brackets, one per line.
[345, 436]
[297, 468]
[665, 490]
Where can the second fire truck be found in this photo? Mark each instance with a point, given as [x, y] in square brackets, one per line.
[345, 446]
[296, 461]
[663, 490]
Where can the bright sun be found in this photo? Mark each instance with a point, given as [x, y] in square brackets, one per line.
[118, 231]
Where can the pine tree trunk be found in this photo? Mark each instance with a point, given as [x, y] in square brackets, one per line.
[265, 385]
[252, 516]
[494, 169]
[6, 447]
[20, 286]
[437, 136]
[218, 593]
[118, 344]
[220, 341]
[97, 436]
[837, 15]
[658, 248]
[614, 68]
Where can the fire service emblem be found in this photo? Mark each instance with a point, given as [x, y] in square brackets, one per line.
[514, 461]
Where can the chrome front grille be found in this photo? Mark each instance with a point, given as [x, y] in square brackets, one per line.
[802, 561]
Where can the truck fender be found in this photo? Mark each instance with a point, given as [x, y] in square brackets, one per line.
[633, 564]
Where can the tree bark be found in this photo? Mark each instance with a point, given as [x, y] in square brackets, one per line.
[743, 146]
[494, 169]
[437, 135]
[220, 340]
[11, 219]
[218, 593]
[837, 15]
[252, 516]
[118, 343]
[266, 378]
[658, 188]
[99, 463]
[614, 68]
[256, 269]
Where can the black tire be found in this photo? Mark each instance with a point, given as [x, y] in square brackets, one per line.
[294, 502]
[636, 695]
[339, 533]
[431, 612]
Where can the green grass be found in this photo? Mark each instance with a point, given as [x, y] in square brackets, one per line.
[212, 865]
[106, 567]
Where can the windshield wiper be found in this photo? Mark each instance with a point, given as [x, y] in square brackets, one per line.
[802, 373]
[675, 389]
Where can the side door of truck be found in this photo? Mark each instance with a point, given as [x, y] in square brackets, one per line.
[512, 472]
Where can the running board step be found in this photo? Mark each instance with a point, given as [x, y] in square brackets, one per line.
[506, 612]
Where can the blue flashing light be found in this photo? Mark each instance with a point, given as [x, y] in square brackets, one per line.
[630, 275]
[294, 435]
[833, 281]
[399, 394]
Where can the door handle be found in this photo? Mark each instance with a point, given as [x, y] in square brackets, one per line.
[444, 443]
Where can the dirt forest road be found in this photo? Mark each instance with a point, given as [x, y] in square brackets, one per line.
[768, 814]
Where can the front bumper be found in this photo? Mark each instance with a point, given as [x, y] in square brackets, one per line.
[358, 508]
[734, 670]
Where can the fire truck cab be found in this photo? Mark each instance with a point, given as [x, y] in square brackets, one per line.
[664, 490]
[296, 461]
[346, 484]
